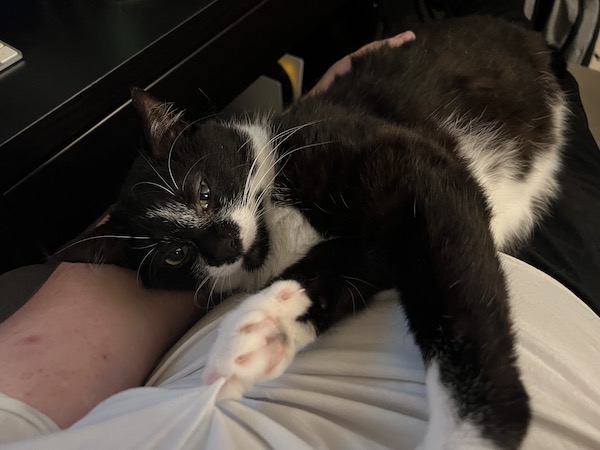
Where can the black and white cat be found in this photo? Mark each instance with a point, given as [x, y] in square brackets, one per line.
[409, 172]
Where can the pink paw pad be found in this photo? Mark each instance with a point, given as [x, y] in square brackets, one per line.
[256, 326]
[242, 359]
[286, 294]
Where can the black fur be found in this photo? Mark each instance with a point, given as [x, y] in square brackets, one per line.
[425, 233]
[383, 183]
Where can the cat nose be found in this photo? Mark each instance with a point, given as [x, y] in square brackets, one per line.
[219, 244]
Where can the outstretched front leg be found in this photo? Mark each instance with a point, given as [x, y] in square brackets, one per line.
[258, 340]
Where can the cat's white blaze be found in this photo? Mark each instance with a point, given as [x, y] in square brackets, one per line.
[177, 213]
[445, 430]
[494, 160]
[262, 170]
[246, 221]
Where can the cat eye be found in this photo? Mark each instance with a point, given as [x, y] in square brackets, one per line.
[204, 195]
[177, 256]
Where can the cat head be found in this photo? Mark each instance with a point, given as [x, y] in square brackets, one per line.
[191, 208]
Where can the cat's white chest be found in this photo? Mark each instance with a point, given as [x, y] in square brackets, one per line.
[291, 236]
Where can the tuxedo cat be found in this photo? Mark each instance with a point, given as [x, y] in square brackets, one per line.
[410, 172]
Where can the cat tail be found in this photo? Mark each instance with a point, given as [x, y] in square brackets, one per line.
[455, 298]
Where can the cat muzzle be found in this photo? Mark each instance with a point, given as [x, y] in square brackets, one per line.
[219, 244]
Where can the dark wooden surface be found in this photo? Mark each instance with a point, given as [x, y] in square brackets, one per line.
[81, 57]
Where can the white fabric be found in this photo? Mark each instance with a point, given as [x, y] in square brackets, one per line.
[18, 421]
[359, 387]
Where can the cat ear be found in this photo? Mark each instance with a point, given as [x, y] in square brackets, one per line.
[104, 244]
[162, 123]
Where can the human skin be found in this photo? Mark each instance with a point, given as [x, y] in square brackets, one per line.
[345, 64]
[88, 333]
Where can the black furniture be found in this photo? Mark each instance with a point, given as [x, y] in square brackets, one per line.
[67, 129]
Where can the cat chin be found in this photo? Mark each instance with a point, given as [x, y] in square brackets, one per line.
[225, 270]
[234, 276]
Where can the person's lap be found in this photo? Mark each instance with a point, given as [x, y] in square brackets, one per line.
[360, 386]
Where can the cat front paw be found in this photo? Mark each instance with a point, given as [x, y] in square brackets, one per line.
[258, 340]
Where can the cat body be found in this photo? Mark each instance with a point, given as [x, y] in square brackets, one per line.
[409, 172]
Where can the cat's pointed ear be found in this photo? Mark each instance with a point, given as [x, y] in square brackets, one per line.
[162, 123]
[104, 244]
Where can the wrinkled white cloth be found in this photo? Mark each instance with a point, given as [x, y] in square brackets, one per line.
[19, 421]
[361, 386]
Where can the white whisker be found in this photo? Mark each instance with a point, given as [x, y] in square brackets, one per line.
[166, 186]
[212, 290]
[137, 278]
[198, 291]
[326, 212]
[294, 150]
[357, 291]
[104, 236]
[285, 155]
[143, 247]
[344, 200]
[358, 279]
[152, 184]
[286, 135]
[189, 171]
[173, 146]
[353, 301]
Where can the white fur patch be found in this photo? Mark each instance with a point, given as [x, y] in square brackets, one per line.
[445, 430]
[262, 170]
[494, 161]
[291, 237]
[224, 271]
[245, 219]
[258, 340]
[177, 213]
